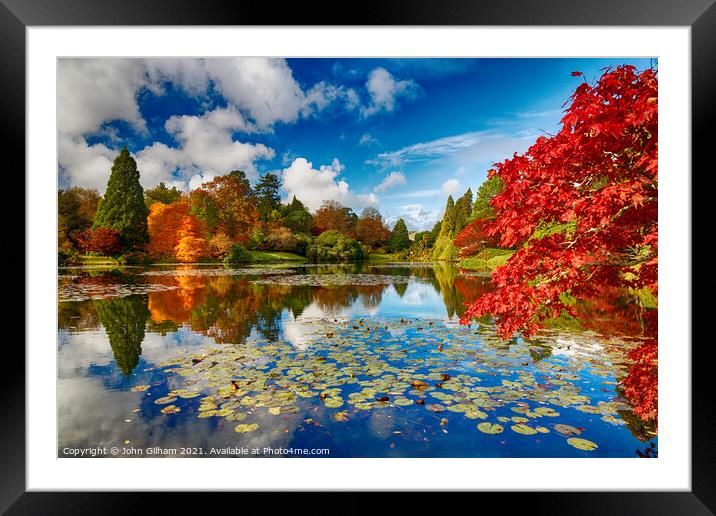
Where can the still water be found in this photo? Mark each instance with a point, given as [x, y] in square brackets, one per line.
[359, 360]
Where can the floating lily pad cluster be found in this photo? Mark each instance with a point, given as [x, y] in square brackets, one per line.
[430, 370]
[85, 291]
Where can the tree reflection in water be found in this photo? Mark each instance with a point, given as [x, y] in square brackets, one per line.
[124, 319]
[230, 308]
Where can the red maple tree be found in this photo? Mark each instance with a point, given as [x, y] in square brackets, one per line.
[473, 238]
[584, 202]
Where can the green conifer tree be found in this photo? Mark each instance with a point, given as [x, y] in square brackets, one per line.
[267, 195]
[399, 238]
[122, 208]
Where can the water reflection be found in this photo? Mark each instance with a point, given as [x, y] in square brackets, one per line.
[195, 311]
[124, 320]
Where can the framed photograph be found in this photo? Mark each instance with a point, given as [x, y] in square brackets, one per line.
[417, 253]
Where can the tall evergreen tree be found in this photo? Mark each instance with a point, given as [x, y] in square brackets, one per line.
[448, 222]
[267, 195]
[463, 209]
[481, 208]
[122, 208]
[399, 238]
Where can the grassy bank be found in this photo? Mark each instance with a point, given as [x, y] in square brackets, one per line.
[384, 257]
[274, 256]
[87, 260]
[486, 260]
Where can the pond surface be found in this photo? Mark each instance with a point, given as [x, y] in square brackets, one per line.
[359, 360]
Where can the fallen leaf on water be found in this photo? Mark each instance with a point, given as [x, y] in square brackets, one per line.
[566, 429]
[165, 400]
[341, 416]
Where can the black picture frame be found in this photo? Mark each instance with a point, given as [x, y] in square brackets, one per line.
[700, 15]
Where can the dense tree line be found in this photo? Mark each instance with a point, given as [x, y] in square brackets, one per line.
[223, 219]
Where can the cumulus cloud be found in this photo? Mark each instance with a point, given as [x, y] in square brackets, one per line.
[92, 91]
[190, 75]
[450, 186]
[313, 186]
[266, 89]
[260, 93]
[391, 180]
[416, 217]
[84, 165]
[206, 149]
[385, 90]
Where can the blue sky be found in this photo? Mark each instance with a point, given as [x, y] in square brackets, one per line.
[396, 134]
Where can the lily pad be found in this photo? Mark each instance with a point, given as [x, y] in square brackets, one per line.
[523, 429]
[582, 444]
[490, 428]
[546, 411]
[170, 409]
[333, 402]
[245, 428]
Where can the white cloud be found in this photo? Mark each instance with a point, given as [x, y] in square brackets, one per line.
[264, 87]
[323, 94]
[84, 165]
[197, 180]
[93, 91]
[206, 149]
[367, 139]
[431, 192]
[434, 149]
[313, 186]
[416, 217]
[476, 150]
[189, 74]
[391, 180]
[385, 90]
[260, 93]
[450, 186]
[266, 90]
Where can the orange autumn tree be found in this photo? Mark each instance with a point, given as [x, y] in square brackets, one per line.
[192, 246]
[175, 233]
[164, 221]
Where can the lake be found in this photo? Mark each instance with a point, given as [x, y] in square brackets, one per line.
[357, 360]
